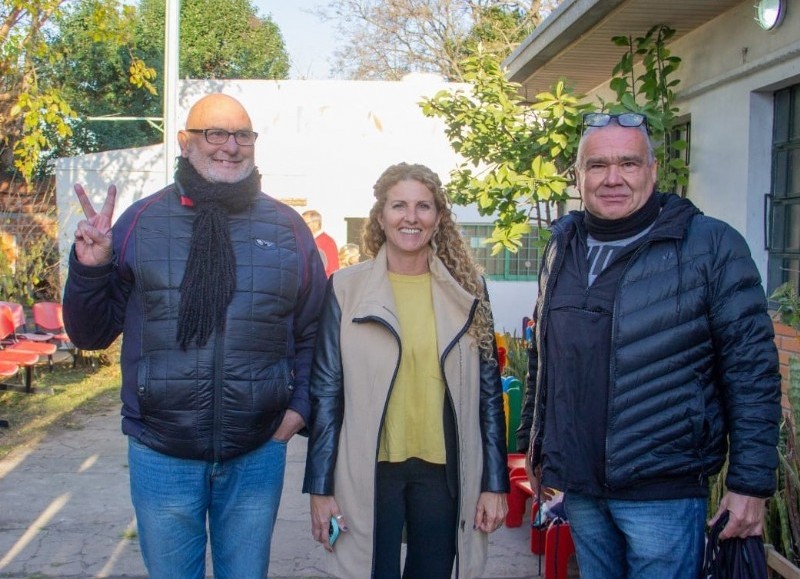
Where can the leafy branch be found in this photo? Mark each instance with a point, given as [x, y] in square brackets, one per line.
[517, 157]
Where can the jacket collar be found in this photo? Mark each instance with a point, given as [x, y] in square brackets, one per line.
[452, 304]
[672, 222]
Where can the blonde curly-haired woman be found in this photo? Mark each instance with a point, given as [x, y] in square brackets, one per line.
[407, 428]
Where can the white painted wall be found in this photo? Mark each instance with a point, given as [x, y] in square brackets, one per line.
[730, 68]
[324, 141]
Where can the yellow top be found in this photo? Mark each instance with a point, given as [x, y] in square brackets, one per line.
[414, 418]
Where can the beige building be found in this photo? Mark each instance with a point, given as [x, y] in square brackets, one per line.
[321, 145]
[739, 97]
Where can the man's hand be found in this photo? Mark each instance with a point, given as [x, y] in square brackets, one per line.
[746, 516]
[535, 478]
[93, 234]
[290, 425]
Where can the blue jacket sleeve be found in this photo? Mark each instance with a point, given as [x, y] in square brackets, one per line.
[95, 298]
[747, 365]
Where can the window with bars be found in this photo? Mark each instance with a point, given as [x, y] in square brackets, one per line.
[520, 266]
[783, 214]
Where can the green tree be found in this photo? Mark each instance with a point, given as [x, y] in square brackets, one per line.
[517, 157]
[652, 93]
[238, 45]
[219, 40]
[99, 83]
[33, 108]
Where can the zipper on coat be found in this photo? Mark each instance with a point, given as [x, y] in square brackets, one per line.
[380, 429]
[460, 524]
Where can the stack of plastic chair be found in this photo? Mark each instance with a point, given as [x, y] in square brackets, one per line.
[22, 352]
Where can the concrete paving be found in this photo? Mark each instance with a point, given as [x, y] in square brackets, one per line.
[65, 512]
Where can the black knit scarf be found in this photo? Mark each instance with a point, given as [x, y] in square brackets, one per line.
[614, 229]
[210, 277]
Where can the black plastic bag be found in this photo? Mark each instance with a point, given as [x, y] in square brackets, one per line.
[733, 558]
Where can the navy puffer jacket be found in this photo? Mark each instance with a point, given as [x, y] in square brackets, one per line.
[228, 397]
[693, 365]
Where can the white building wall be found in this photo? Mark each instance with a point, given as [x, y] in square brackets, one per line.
[325, 142]
[730, 68]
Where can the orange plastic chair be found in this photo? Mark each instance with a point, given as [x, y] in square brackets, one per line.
[49, 320]
[520, 493]
[18, 312]
[558, 549]
[516, 463]
[7, 370]
[10, 342]
[20, 358]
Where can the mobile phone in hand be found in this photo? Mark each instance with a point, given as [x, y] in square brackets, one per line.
[333, 531]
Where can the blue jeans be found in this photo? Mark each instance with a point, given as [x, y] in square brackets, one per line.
[619, 539]
[173, 497]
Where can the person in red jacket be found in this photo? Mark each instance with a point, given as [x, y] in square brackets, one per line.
[327, 246]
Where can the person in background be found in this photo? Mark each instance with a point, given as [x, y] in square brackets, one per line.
[216, 288]
[653, 361]
[349, 254]
[407, 423]
[325, 243]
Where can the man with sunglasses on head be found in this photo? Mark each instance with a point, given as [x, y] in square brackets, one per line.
[653, 360]
[216, 288]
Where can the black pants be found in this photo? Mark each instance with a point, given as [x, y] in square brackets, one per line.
[414, 493]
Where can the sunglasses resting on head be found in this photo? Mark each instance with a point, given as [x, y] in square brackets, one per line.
[630, 120]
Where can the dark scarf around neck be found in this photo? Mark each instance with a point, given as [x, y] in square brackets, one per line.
[615, 229]
[210, 278]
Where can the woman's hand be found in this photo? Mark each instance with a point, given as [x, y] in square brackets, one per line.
[323, 507]
[491, 512]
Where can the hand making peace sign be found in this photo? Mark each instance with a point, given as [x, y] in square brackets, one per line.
[93, 234]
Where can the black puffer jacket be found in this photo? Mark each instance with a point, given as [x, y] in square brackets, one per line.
[693, 362]
[229, 397]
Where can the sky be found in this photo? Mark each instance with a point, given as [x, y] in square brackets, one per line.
[310, 42]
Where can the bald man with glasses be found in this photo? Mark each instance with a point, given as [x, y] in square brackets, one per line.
[216, 288]
[653, 361]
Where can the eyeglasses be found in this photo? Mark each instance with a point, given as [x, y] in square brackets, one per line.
[221, 136]
[630, 120]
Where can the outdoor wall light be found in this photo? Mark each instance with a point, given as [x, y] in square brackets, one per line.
[770, 13]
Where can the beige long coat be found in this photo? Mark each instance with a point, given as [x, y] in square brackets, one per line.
[370, 354]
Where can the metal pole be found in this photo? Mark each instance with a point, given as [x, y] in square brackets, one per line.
[171, 51]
